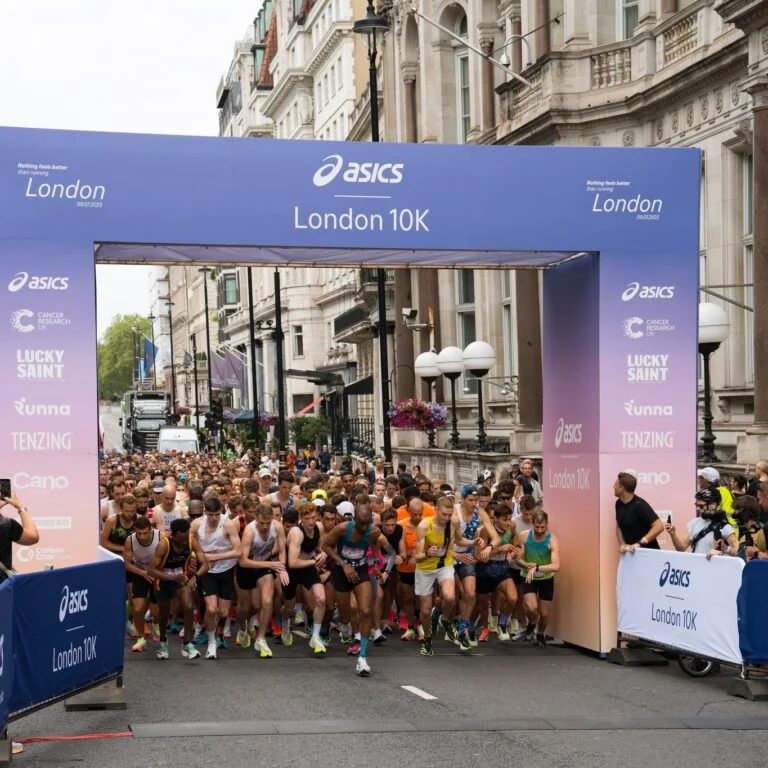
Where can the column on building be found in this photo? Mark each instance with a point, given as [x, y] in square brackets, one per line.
[487, 93]
[429, 299]
[530, 403]
[542, 28]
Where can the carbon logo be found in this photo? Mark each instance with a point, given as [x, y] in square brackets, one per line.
[357, 173]
[19, 318]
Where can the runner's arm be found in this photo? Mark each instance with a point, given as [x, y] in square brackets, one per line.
[156, 562]
[329, 541]
[421, 540]
[109, 526]
[282, 554]
[294, 547]
[128, 559]
[493, 534]
[202, 560]
[554, 566]
[389, 550]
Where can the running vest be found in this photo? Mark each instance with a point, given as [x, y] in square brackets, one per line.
[441, 541]
[353, 552]
[290, 504]
[309, 544]
[119, 533]
[166, 517]
[468, 529]
[142, 556]
[261, 549]
[506, 538]
[411, 534]
[214, 542]
[539, 552]
[176, 562]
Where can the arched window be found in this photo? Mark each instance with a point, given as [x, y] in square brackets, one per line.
[463, 115]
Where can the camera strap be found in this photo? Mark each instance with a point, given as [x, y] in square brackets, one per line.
[701, 534]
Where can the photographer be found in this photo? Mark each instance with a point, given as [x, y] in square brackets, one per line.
[710, 533]
[752, 545]
[24, 532]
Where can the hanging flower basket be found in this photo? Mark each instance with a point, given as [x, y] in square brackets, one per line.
[418, 415]
[266, 419]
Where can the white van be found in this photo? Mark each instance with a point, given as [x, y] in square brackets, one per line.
[177, 439]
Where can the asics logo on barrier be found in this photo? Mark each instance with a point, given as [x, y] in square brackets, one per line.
[72, 601]
[676, 577]
[357, 173]
[37, 283]
[648, 292]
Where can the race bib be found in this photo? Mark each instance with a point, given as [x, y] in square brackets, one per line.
[352, 553]
[439, 551]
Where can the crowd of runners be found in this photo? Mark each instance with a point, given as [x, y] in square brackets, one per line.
[235, 550]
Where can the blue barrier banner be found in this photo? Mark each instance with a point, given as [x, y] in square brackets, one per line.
[6, 650]
[68, 630]
[753, 618]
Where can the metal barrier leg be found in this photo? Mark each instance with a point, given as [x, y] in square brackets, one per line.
[631, 655]
[752, 690]
[5, 749]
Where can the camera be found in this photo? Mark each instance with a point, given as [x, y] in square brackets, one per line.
[714, 515]
[409, 313]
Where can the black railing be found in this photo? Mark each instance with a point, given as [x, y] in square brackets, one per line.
[360, 436]
[349, 319]
[371, 276]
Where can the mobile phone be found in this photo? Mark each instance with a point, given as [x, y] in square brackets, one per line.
[669, 519]
[5, 488]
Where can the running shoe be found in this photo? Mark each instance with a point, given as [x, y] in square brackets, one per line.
[301, 618]
[325, 636]
[426, 648]
[130, 630]
[354, 649]
[504, 633]
[201, 638]
[409, 634]
[316, 644]
[402, 623]
[139, 646]
[162, 651]
[483, 638]
[275, 627]
[464, 644]
[472, 635]
[524, 634]
[379, 637]
[221, 643]
[493, 623]
[420, 632]
[387, 628]
[451, 633]
[181, 634]
[346, 633]
[155, 632]
[541, 640]
[362, 667]
[190, 652]
[261, 647]
[174, 628]
[240, 637]
[286, 637]
[228, 629]
[211, 652]
[513, 626]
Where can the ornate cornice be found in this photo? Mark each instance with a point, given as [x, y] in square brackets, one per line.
[747, 15]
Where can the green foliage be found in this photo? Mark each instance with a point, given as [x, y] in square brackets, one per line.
[117, 354]
[309, 430]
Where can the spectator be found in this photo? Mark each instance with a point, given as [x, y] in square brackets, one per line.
[12, 531]
[760, 476]
[709, 477]
[637, 525]
[752, 545]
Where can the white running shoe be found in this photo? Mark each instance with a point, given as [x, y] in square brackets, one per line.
[362, 667]
[261, 647]
[130, 630]
[228, 629]
[211, 652]
[317, 644]
[189, 651]
[301, 619]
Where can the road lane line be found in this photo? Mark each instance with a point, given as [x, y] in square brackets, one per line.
[418, 692]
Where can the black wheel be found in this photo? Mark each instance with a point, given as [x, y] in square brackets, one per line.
[695, 666]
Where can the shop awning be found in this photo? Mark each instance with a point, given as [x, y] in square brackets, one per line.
[362, 386]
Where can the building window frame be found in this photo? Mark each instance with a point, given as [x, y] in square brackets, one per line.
[747, 218]
[466, 323]
[229, 291]
[297, 340]
[627, 18]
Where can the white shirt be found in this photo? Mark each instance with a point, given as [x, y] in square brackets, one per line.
[705, 543]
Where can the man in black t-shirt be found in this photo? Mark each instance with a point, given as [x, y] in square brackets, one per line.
[637, 525]
[12, 531]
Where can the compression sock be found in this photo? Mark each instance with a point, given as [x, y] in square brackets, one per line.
[363, 647]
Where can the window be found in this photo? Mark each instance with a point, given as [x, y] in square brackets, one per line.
[229, 288]
[508, 313]
[628, 18]
[462, 85]
[334, 134]
[297, 334]
[749, 294]
[319, 96]
[333, 78]
[325, 88]
[338, 73]
[466, 331]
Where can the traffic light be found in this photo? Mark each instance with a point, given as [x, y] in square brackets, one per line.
[210, 422]
[217, 410]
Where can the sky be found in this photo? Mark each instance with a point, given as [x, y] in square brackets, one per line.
[136, 66]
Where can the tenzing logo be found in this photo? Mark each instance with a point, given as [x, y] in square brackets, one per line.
[74, 601]
[35, 283]
[676, 577]
[648, 292]
[357, 173]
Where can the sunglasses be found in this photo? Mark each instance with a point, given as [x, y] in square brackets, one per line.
[701, 506]
[505, 498]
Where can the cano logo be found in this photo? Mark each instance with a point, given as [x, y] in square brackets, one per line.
[676, 577]
[37, 283]
[635, 290]
[72, 601]
[357, 173]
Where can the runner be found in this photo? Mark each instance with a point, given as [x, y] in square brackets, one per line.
[170, 567]
[541, 557]
[138, 551]
[406, 571]
[167, 511]
[305, 560]
[262, 559]
[346, 546]
[218, 538]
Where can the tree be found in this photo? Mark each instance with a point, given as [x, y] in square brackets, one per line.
[309, 430]
[117, 354]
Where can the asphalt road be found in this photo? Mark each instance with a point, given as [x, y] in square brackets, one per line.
[113, 434]
[501, 704]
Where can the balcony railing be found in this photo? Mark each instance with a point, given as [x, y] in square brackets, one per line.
[611, 67]
[349, 319]
[681, 39]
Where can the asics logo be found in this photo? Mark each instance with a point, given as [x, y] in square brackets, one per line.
[357, 173]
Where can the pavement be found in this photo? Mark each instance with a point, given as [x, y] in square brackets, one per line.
[113, 432]
[502, 703]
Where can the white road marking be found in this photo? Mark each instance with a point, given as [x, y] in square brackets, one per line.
[419, 692]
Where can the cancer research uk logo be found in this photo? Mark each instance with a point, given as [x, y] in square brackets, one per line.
[357, 173]
[23, 280]
[638, 327]
[27, 321]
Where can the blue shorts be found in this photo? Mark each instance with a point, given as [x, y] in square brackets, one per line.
[464, 569]
[490, 575]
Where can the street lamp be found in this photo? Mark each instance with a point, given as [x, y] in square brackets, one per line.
[194, 364]
[450, 362]
[714, 328]
[152, 319]
[426, 368]
[204, 271]
[173, 367]
[479, 358]
[369, 26]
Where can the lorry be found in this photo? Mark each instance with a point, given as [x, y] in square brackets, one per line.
[144, 413]
[181, 439]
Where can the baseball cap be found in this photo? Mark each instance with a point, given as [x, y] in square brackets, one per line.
[486, 474]
[158, 486]
[710, 474]
[264, 472]
[318, 502]
[319, 493]
[467, 489]
[346, 509]
[182, 475]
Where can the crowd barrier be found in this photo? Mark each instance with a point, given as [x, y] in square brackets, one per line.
[713, 608]
[61, 631]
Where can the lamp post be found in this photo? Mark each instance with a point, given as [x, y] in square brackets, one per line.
[194, 368]
[426, 368]
[252, 345]
[450, 362]
[713, 331]
[151, 319]
[280, 368]
[369, 26]
[173, 367]
[479, 358]
[204, 271]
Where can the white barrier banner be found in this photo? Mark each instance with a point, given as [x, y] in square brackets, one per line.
[681, 600]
